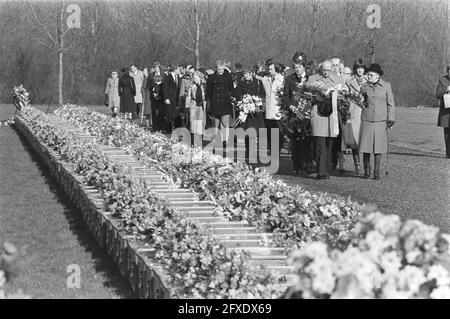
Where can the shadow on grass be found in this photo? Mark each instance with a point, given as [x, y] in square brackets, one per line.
[103, 263]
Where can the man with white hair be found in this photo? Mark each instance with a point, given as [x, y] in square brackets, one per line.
[324, 120]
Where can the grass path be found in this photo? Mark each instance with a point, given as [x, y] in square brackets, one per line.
[38, 218]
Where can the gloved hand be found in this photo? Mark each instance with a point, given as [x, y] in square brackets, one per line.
[389, 124]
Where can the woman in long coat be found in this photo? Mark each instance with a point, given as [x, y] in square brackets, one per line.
[127, 91]
[146, 104]
[354, 125]
[376, 119]
[248, 84]
[112, 90]
[196, 106]
[444, 113]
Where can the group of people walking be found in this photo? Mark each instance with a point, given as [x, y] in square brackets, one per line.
[179, 96]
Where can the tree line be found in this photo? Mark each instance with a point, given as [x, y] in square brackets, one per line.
[38, 50]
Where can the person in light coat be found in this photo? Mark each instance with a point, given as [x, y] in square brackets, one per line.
[273, 86]
[138, 77]
[324, 129]
[354, 86]
[112, 90]
[376, 119]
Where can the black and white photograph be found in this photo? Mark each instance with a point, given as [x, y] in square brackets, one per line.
[241, 150]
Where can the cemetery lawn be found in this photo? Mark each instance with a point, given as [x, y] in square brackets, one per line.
[39, 219]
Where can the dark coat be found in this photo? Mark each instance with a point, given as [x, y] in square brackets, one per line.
[218, 92]
[171, 91]
[252, 87]
[146, 96]
[127, 91]
[444, 113]
[156, 89]
[292, 87]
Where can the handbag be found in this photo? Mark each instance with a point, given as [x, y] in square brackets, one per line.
[446, 99]
[106, 100]
[325, 108]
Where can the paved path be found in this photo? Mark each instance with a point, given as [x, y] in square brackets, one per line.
[417, 185]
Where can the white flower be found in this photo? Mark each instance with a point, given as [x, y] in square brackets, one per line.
[410, 278]
[442, 292]
[390, 262]
[440, 274]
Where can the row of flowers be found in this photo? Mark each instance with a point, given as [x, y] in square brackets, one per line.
[391, 259]
[294, 215]
[197, 263]
[386, 257]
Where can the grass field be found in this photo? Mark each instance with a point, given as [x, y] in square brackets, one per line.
[40, 220]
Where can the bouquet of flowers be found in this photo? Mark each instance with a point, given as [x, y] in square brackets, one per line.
[250, 104]
[320, 92]
[20, 97]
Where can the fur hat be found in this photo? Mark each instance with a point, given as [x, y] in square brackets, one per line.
[374, 67]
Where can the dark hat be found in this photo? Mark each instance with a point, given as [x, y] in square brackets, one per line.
[359, 64]
[374, 67]
[299, 57]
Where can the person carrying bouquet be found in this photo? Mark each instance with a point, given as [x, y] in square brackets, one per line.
[324, 119]
[298, 125]
[351, 129]
[248, 84]
[376, 119]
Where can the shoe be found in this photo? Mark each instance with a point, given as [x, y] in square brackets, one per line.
[318, 177]
[357, 169]
[366, 162]
[341, 171]
[376, 177]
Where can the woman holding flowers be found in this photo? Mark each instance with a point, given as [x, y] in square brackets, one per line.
[376, 119]
[249, 85]
[354, 87]
[196, 103]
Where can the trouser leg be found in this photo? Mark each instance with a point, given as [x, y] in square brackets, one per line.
[447, 141]
[329, 142]
[321, 156]
[366, 162]
[356, 161]
[376, 166]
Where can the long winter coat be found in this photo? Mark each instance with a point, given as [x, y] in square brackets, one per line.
[324, 126]
[127, 91]
[146, 89]
[273, 90]
[138, 78]
[171, 92]
[112, 89]
[252, 87]
[380, 108]
[218, 93]
[355, 113]
[444, 113]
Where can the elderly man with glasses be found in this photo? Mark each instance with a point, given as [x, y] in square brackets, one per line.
[324, 125]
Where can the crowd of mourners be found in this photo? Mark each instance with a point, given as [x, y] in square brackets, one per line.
[196, 98]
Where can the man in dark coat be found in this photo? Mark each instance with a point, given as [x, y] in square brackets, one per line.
[300, 143]
[171, 87]
[127, 91]
[443, 87]
[218, 91]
